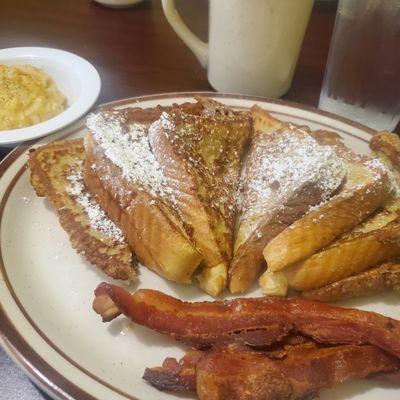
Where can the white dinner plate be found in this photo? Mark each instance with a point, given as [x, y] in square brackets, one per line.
[75, 77]
[46, 289]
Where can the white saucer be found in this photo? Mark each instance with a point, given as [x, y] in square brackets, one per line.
[76, 78]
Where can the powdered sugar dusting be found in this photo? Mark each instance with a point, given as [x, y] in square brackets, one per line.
[128, 147]
[380, 168]
[285, 162]
[376, 165]
[97, 217]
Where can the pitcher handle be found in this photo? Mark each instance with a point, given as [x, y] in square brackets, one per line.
[198, 47]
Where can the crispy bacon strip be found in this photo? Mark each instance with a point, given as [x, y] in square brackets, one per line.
[181, 376]
[257, 322]
[223, 375]
[173, 375]
[229, 373]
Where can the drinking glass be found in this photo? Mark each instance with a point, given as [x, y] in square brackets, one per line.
[362, 77]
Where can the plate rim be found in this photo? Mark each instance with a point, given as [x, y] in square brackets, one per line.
[81, 106]
[10, 338]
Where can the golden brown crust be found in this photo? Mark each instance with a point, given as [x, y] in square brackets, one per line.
[345, 258]
[50, 166]
[200, 157]
[248, 258]
[373, 281]
[173, 227]
[142, 218]
[334, 140]
[362, 194]
[264, 216]
[264, 121]
[388, 144]
[149, 115]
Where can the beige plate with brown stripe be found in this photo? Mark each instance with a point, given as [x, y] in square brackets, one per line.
[46, 290]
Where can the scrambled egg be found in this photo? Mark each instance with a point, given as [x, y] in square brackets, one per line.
[27, 96]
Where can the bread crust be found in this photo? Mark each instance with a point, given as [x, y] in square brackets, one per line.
[359, 251]
[200, 156]
[363, 193]
[190, 217]
[50, 166]
[142, 218]
[278, 207]
[388, 144]
[375, 280]
[345, 258]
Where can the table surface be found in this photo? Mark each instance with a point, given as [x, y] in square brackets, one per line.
[136, 52]
[132, 47]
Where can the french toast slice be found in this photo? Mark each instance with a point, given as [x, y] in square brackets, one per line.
[367, 187]
[122, 174]
[200, 157]
[56, 173]
[342, 264]
[375, 280]
[371, 243]
[386, 146]
[286, 172]
[163, 219]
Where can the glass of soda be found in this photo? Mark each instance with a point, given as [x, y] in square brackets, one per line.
[362, 76]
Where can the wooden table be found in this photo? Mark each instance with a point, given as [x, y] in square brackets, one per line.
[136, 52]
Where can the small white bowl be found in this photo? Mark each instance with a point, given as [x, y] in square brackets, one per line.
[75, 77]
